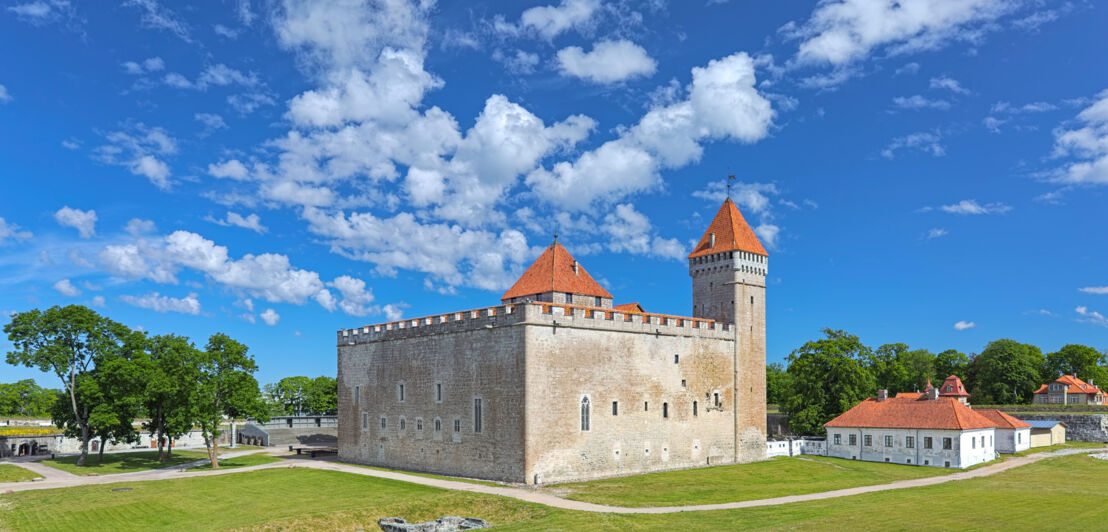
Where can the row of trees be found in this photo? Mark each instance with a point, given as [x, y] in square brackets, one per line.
[25, 398]
[303, 396]
[111, 374]
[825, 377]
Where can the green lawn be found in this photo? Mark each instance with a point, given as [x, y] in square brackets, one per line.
[241, 461]
[240, 447]
[1037, 496]
[431, 475]
[1067, 445]
[742, 482]
[123, 462]
[11, 473]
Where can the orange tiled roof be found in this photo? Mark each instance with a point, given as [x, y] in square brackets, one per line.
[553, 272]
[732, 234]
[952, 387]
[1074, 385]
[1002, 420]
[629, 307]
[908, 413]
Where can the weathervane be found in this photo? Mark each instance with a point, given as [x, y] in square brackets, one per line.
[730, 178]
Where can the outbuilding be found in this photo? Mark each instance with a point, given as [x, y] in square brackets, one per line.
[1047, 432]
[1012, 435]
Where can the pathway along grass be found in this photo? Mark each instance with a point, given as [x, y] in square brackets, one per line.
[1036, 496]
[123, 462]
[11, 473]
[741, 482]
[239, 461]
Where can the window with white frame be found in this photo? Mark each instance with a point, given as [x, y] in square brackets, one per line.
[868, 440]
[838, 439]
[888, 441]
[910, 442]
[948, 444]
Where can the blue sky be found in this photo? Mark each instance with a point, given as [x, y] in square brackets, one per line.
[926, 172]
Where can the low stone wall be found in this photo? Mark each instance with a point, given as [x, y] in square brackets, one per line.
[1088, 427]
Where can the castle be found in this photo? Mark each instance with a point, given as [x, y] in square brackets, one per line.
[557, 383]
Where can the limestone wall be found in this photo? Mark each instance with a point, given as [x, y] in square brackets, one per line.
[1086, 427]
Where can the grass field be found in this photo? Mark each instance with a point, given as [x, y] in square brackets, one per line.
[123, 462]
[240, 461]
[11, 473]
[772, 478]
[1036, 496]
[1067, 445]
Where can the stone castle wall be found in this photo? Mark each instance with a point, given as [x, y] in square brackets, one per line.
[1079, 427]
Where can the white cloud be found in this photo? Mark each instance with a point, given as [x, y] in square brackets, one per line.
[751, 197]
[518, 62]
[909, 68]
[917, 101]
[211, 121]
[77, 259]
[12, 231]
[768, 234]
[963, 325]
[138, 226]
[550, 21]
[224, 31]
[159, 303]
[1098, 290]
[98, 301]
[270, 317]
[630, 231]
[950, 84]
[936, 233]
[219, 75]
[248, 317]
[1033, 107]
[1086, 146]
[843, 31]
[4, 96]
[138, 150]
[356, 299]
[972, 207]
[229, 169]
[249, 102]
[608, 62]
[928, 142]
[66, 288]
[147, 66]
[157, 16]
[41, 12]
[252, 222]
[83, 221]
[1091, 316]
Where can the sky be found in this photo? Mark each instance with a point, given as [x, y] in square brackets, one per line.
[927, 172]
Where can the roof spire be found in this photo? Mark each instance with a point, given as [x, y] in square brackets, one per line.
[555, 238]
[730, 178]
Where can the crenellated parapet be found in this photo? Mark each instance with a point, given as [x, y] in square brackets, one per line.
[550, 314]
[729, 261]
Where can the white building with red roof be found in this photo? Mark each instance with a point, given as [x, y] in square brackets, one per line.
[1069, 390]
[1012, 435]
[916, 429]
[558, 383]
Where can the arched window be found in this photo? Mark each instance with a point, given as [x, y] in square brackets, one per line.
[584, 413]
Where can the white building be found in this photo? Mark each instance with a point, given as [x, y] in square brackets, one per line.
[916, 429]
[1012, 435]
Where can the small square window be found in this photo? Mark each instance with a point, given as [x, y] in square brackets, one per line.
[682, 383]
[676, 358]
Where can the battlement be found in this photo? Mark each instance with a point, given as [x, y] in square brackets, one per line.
[536, 313]
[741, 261]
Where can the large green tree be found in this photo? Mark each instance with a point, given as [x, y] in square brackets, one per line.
[1084, 362]
[951, 362]
[225, 389]
[778, 386]
[324, 396]
[169, 374]
[1008, 372]
[25, 398]
[68, 342]
[828, 376]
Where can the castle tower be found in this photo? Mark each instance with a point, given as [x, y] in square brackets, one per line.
[728, 269]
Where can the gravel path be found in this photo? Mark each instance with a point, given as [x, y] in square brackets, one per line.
[534, 495]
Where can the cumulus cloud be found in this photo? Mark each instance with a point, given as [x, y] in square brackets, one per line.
[40, 12]
[12, 231]
[963, 325]
[138, 226]
[233, 219]
[66, 288]
[140, 149]
[1085, 146]
[631, 231]
[356, 298]
[229, 169]
[1098, 290]
[550, 21]
[950, 84]
[218, 75]
[927, 142]
[270, 317]
[98, 301]
[917, 101]
[146, 66]
[5, 97]
[972, 207]
[607, 62]
[517, 62]
[189, 304]
[1091, 316]
[210, 121]
[83, 221]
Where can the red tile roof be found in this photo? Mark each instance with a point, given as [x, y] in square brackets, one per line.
[908, 413]
[553, 272]
[1074, 385]
[952, 387]
[629, 307]
[1002, 420]
[732, 234]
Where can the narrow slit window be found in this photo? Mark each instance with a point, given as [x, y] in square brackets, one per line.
[694, 408]
[477, 415]
[615, 408]
[665, 410]
[584, 413]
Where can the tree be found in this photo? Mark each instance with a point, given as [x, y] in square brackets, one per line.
[323, 396]
[293, 394]
[1081, 361]
[25, 398]
[119, 383]
[951, 362]
[887, 369]
[225, 387]
[1008, 371]
[169, 373]
[777, 384]
[67, 341]
[828, 377]
[919, 367]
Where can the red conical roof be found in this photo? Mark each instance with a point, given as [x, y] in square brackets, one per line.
[732, 234]
[553, 272]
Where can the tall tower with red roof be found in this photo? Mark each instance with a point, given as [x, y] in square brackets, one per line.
[728, 269]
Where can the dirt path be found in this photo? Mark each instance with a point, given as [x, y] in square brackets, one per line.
[537, 496]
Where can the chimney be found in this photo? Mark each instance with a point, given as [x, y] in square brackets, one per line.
[575, 271]
[882, 395]
[933, 393]
[711, 240]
